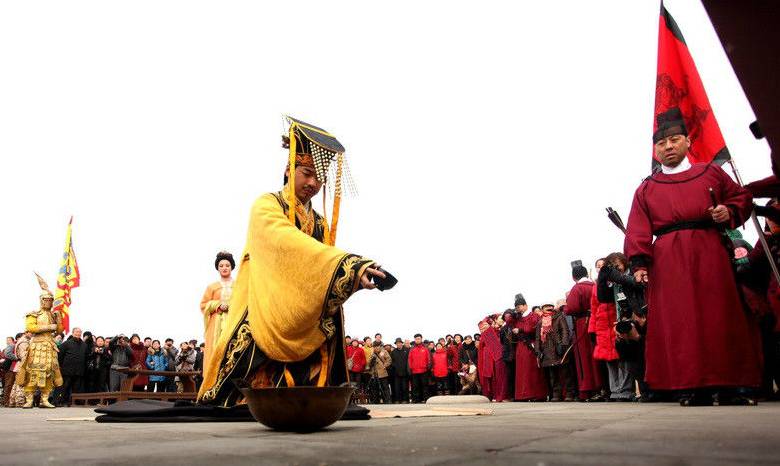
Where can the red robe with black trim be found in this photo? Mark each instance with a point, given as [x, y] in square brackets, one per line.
[492, 370]
[698, 333]
[530, 382]
[578, 306]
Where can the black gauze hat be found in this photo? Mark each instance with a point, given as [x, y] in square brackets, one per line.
[519, 300]
[669, 123]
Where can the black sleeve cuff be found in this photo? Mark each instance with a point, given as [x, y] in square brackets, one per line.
[638, 262]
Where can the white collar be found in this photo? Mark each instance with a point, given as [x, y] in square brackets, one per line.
[683, 166]
[583, 279]
[527, 312]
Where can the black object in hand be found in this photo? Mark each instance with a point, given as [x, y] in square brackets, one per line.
[624, 327]
[386, 283]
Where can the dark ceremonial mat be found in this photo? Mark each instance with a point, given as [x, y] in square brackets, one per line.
[187, 411]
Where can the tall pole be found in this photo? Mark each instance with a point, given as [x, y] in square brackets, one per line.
[760, 232]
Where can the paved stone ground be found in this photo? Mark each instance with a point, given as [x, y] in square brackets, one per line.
[518, 433]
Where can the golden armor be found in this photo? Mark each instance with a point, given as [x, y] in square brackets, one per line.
[39, 368]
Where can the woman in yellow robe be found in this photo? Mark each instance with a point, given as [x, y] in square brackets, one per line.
[215, 303]
[285, 327]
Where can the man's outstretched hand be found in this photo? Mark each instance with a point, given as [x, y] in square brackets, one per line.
[373, 271]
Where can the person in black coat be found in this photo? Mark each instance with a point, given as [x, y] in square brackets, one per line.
[400, 358]
[73, 364]
[98, 365]
[468, 351]
[198, 362]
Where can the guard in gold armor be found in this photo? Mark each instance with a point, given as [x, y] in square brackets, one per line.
[40, 370]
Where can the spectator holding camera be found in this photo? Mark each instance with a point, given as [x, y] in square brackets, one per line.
[98, 365]
[121, 358]
[615, 287]
[378, 364]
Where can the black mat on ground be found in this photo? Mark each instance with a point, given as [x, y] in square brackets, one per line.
[187, 411]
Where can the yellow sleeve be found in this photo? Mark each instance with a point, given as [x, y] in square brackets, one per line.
[290, 284]
[207, 304]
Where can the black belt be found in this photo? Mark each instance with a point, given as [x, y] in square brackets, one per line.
[692, 225]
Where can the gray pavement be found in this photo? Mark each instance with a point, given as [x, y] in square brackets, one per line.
[517, 433]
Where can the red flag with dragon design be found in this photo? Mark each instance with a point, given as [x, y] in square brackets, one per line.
[678, 85]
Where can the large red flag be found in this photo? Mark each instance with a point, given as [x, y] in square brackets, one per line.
[678, 85]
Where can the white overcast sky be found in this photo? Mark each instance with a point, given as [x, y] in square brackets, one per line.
[486, 139]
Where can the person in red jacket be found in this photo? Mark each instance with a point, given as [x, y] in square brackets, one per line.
[614, 281]
[453, 362]
[602, 325]
[356, 363]
[419, 363]
[440, 369]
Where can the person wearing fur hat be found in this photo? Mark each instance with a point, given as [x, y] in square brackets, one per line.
[216, 301]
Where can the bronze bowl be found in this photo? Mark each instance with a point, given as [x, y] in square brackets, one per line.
[297, 409]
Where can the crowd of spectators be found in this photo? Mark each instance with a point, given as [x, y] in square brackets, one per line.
[587, 346]
[92, 364]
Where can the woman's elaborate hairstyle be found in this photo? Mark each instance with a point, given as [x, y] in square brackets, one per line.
[224, 256]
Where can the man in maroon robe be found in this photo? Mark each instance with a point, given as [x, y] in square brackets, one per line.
[493, 374]
[530, 382]
[698, 335]
[578, 303]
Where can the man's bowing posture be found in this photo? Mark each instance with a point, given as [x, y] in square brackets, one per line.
[699, 339]
[286, 323]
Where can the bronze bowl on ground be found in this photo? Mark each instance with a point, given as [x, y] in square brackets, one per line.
[297, 409]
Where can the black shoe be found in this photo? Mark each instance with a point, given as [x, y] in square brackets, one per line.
[695, 400]
[737, 401]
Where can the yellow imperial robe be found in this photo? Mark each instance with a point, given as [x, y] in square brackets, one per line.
[213, 321]
[285, 325]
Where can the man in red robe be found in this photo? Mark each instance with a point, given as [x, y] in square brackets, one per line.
[762, 295]
[698, 335]
[493, 374]
[578, 306]
[530, 382]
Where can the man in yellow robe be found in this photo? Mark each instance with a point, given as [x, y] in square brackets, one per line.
[285, 326]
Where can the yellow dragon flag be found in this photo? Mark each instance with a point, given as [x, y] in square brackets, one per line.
[67, 279]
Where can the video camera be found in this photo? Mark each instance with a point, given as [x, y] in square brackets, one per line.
[630, 301]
